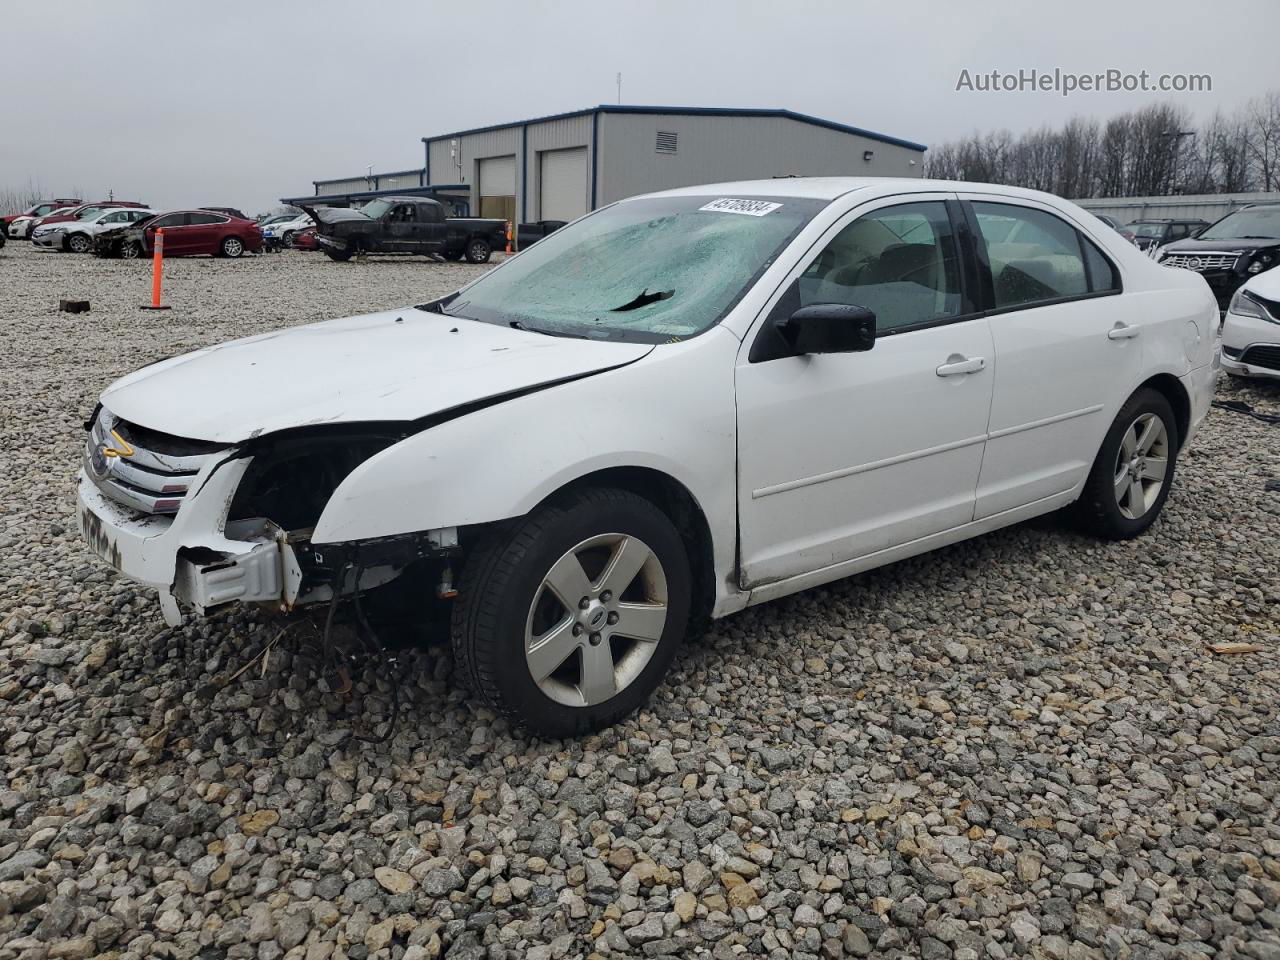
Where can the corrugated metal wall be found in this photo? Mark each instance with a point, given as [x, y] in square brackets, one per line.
[710, 149]
[1204, 206]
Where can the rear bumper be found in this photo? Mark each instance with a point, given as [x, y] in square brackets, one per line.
[194, 558]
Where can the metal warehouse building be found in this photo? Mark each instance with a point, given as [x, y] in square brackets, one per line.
[559, 167]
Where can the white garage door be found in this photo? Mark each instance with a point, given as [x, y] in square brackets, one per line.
[498, 187]
[563, 187]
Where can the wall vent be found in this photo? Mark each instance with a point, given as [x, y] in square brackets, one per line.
[665, 142]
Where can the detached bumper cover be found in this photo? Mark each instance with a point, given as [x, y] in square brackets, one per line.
[194, 558]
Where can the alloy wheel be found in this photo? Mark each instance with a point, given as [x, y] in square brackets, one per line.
[596, 619]
[1142, 464]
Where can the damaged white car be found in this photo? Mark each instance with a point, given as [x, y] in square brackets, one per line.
[679, 405]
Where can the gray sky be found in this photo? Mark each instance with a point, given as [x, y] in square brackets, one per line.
[193, 103]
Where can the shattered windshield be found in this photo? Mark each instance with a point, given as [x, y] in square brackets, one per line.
[648, 270]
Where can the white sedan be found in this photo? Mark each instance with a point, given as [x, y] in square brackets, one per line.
[76, 236]
[678, 406]
[1251, 328]
[280, 230]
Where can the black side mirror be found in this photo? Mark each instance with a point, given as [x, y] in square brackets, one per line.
[829, 328]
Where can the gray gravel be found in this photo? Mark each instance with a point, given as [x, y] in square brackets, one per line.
[1018, 746]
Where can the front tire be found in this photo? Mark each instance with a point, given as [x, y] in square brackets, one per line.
[341, 256]
[79, 243]
[567, 622]
[131, 250]
[1133, 472]
[478, 251]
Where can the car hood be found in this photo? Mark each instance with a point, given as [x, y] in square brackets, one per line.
[1266, 284]
[400, 365]
[1196, 245]
[334, 215]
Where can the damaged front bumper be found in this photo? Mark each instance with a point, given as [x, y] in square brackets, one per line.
[195, 557]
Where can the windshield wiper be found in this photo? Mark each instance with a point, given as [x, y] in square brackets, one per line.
[644, 299]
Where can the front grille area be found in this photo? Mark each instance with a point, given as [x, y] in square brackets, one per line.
[1266, 356]
[1200, 262]
[143, 469]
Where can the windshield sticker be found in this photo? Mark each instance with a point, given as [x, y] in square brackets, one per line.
[751, 208]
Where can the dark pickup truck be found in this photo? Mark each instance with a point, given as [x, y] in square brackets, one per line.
[405, 225]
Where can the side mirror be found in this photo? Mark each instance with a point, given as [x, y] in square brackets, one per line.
[829, 328]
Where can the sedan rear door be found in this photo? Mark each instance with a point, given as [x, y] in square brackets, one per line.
[1069, 349]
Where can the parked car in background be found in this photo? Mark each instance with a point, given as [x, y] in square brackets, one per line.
[680, 405]
[527, 234]
[1115, 225]
[1251, 328]
[305, 239]
[1151, 234]
[229, 211]
[84, 211]
[280, 230]
[1242, 244]
[187, 233]
[77, 236]
[406, 225]
[37, 210]
[20, 227]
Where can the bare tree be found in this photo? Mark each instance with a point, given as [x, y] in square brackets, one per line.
[1154, 151]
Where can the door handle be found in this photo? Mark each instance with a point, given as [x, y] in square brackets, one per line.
[1123, 331]
[957, 365]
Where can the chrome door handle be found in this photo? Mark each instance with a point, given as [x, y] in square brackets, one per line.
[1123, 331]
[957, 365]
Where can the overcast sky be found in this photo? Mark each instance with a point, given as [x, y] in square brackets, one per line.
[239, 103]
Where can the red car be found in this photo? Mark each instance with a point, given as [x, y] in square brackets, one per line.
[39, 210]
[84, 210]
[305, 239]
[187, 233]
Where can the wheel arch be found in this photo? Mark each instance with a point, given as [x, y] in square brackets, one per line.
[1171, 388]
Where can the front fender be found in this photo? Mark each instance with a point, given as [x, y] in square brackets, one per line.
[672, 411]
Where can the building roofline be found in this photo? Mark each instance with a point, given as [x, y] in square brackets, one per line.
[389, 173]
[370, 194]
[690, 112]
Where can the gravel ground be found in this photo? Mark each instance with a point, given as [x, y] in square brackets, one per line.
[1018, 746]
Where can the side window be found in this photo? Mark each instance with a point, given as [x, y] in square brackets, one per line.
[1034, 255]
[114, 218]
[204, 219]
[172, 220]
[1103, 276]
[899, 262]
[402, 214]
[1176, 232]
[430, 213]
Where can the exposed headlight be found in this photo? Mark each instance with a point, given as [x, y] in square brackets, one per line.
[1243, 305]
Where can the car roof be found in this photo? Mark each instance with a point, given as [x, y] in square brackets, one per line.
[828, 188]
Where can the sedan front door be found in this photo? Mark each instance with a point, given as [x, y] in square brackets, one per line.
[843, 456]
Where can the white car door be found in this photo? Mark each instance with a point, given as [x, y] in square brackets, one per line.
[1069, 350]
[844, 455]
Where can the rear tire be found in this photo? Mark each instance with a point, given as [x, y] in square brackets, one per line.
[341, 256]
[452, 255]
[558, 666]
[231, 247]
[1133, 472]
[478, 251]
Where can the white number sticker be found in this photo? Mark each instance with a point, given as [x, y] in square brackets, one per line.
[751, 208]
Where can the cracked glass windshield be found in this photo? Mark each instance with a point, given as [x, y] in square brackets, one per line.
[648, 270]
